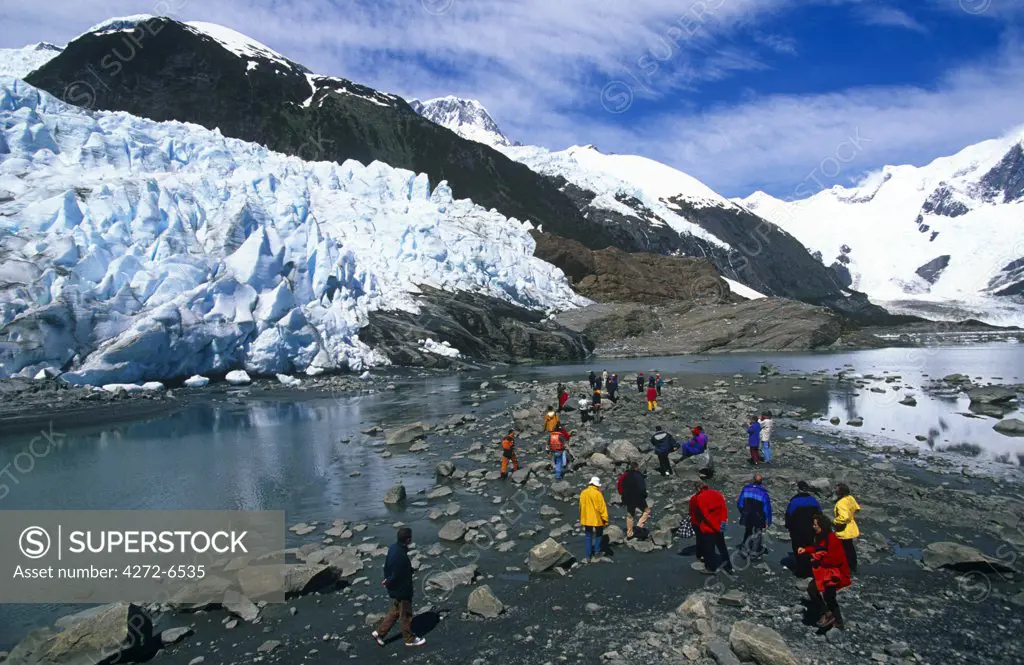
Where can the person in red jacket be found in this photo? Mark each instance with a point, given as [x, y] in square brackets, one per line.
[709, 515]
[652, 398]
[563, 397]
[831, 572]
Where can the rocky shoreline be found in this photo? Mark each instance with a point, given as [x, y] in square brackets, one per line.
[481, 596]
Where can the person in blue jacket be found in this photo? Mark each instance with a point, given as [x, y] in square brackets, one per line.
[754, 439]
[398, 581]
[800, 523]
[755, 508]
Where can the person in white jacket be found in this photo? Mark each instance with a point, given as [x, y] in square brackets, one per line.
[766, 437]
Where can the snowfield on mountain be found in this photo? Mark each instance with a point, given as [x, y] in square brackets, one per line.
[134, 250]
[18, 62]
[942, 240]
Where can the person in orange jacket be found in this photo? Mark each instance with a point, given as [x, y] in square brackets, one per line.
[508, 453]
[652, 398]
[551, 420]
[709, 515]
[831, 572]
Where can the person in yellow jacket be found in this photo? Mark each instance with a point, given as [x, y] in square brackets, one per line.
[845, 523]
[593, 517]
[551, 421]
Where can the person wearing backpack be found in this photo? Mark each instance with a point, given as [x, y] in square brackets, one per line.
[551, 420]
[640, 382]
[633, 487]
[556, 446]
[755, 508]
[709, 515]
[508, 453]
[664, 444]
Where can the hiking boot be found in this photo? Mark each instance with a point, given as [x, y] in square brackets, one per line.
[377, 638]
[826, 620]
[416, 642]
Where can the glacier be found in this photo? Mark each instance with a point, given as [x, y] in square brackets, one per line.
[19, 62]
[134, 251]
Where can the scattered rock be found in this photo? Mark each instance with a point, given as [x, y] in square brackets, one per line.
[855, 422]
[453, 531]
[621, 450]
[440, 492]
[992, 395]
[445, 469]
[768, 369]
[240, 606]
[121, 631]
[268, 646]
[751, 641]
[962, 558]
[395, 495]
[696, 606]
[483, 602]
[174, 635]
[908, 401]
[446, 580]
[733, 597]
[547, 555]
[406, 434]
[270, 581]
[1010, 426]
[721, 653]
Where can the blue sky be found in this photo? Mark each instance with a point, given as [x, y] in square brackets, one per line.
[743, 94]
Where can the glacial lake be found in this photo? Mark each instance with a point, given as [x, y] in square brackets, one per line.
[302, 456]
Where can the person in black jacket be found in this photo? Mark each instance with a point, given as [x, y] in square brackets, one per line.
[664, 444]
[398, 581]
[800, 523]
[633, 487]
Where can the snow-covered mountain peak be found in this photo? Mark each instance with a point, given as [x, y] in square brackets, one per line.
[18, 62]
[466, 117]
[915, 234]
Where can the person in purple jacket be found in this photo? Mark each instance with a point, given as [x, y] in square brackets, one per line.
[697, 445]
[754, 439]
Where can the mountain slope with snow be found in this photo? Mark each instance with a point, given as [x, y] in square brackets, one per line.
[466, 117]
[134, 250]
[950, 232]
[19, 62]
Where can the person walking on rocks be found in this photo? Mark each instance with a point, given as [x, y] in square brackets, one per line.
[652, 398]
[508, 453]
[556, 446]
[799, 522]
[766, 437]
[551, 420]
[754, 439]
[831, 572]
[755, 508]
[604, 380]
[563, 398]
[652, 382]
[593, 380]
[709, 515]
[846, 528]
[659, 383]
[595, 404]
[664, 444]
[613, 387]
[398, 581]
[593, 517]
[585, 413]
[633, 487]
[640, 382]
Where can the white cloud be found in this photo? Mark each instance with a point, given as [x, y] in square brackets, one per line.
[890, 17]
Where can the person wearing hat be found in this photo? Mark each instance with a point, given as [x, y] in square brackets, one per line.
[593, 517]
[508, 453]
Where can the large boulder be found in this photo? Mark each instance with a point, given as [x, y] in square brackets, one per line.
[992, 395]
[444, 469]
[601, 461]
[446, 580]
[751, 641]
[1010, 426]
[395, 495]
[484, 603]
[621, 450]
[453, 531]
[405, 434]
[547, 555]
[121, 631]
[696, 606]
[270, 581]
[961, 558]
